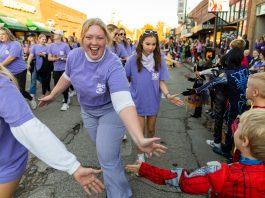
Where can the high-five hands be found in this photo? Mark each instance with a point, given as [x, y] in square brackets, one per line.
[174, 99]
[86, 177]
[148, 146]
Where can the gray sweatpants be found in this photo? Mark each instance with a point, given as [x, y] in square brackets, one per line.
[107, 130]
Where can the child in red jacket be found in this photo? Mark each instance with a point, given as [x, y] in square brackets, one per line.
[245, 178]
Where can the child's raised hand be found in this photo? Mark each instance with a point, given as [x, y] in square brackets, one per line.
[133, 167]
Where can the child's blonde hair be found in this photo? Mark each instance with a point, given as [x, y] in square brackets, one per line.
[252, 126]
[5, 72]
[258, 81]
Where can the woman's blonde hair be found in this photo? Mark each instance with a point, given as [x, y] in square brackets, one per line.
[252, 126]
[258, 81]
[94, 21]
[5, 72]
[9, 34]
[41, 35]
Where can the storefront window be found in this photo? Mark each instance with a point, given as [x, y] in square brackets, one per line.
[246, 7]
[228, 15]
[232, 13]
[237, 9]
[242, 9]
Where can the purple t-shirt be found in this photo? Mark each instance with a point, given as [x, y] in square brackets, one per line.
[119, 50]
[36, 50]
[60, 50]
[95, 81]
[145, 87]
[128, 49]
[14, 49]
[14, 111]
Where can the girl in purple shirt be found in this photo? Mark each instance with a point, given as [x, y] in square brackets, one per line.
[106, 104]
[11, 57]
[21, 131]
[58, 52]
[115, 46]
[43, 67]
[147, 72]
[123, 41]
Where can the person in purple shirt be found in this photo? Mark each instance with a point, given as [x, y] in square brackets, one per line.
[115, 46]
[43, 67]
[21, 131]
[11, 57]
[123, 41]
[58, 52]
[147, 72]
[106, 104]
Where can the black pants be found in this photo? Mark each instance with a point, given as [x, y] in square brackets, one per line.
[21, 79]
[56, 76]
[72, 88]
[219, 111]
[45, 81]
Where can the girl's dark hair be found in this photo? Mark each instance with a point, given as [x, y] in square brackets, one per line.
[139, 50]
[124, 40]
[263, 53]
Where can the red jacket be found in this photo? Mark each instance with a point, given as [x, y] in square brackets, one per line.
[220, 180]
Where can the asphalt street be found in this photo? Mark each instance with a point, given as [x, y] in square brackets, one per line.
[184, 136]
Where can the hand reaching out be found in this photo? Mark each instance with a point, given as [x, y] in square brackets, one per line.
[148, 146]
[175, 100]
[133, 167]
[188, 92]
[86, 177]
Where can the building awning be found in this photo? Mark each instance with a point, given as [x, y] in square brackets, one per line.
[186, 35]
[37, 26]
[12, 23]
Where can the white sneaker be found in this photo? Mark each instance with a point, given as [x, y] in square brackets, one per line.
[140, 157]
[72, 93]
[33, 104]
[212, 144]
[64, 107]
[124, 137]
[32, 95]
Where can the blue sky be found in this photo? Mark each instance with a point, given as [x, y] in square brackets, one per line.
[132, 13]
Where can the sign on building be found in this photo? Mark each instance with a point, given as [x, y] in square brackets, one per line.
[218, 6]
[181, 11]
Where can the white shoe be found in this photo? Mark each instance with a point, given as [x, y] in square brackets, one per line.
[212, 144]
[64, 107]
[32, 95]
[72, 93]
[140, 157]
[124, 137]
[33, 104]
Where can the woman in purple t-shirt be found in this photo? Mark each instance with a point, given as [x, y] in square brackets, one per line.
[21, 131]
[12, 57]
[147, 72]
[106, 104]
[115, 46]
